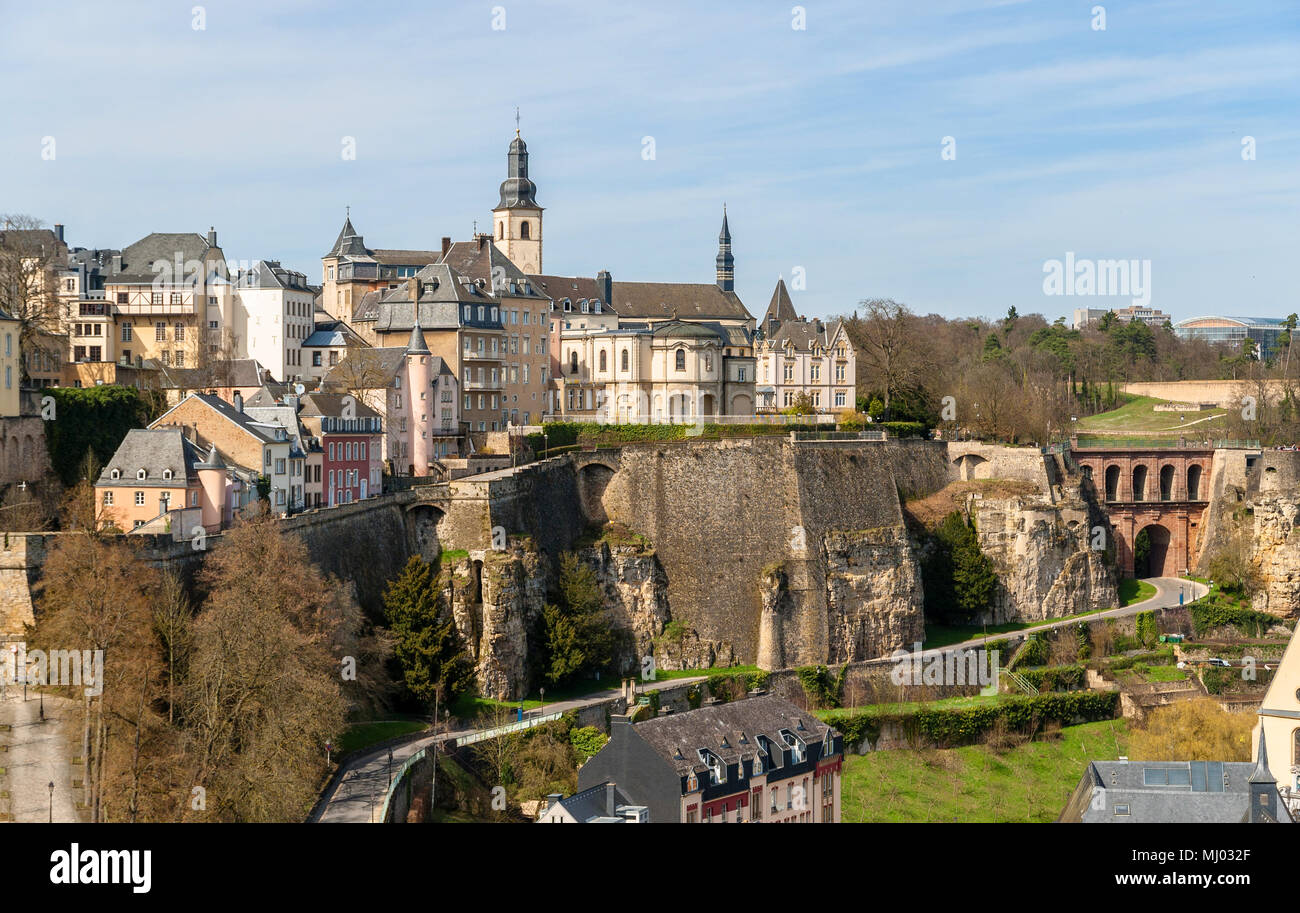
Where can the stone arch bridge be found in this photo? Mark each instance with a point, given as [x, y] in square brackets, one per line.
[1163, 490]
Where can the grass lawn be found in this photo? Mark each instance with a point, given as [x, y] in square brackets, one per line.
[975, 783]
[1138, 416]
[1132, 590]
[359, 735]
[947, 703]
[1164, 674]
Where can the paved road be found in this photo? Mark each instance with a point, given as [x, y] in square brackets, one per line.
[38, 753]
[1167, 592]
[357, 794]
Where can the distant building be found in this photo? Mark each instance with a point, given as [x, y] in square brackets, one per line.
[1152, 317]
[1177, 792]
[1279, 722]
[328, 344]
[351, 443]
[351, 269]
[761, 759]
[11, 369]
[1233, 331]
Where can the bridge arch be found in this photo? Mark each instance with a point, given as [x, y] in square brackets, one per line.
[1194, 473]
[1152, 551]
[968, 466]
[1167, 475]
[1140, 482]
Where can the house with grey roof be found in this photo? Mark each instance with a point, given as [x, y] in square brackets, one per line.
[274, 315]
[603, 803]
[1177, 792]
[761, 759]
[804, 362]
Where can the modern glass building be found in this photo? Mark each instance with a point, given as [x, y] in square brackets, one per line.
[1232, 330]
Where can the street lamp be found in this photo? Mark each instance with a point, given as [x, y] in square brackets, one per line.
[51, 802]
[328, 748]
[542, 710]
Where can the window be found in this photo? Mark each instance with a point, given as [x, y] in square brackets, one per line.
[176, 298]
[625, 360]
[139, 499]
[681, 360]
[523, 230]
[160, 332]
[115, 474]
[1121, 810]
[141, 474]
[603, 366]
[839, 398]
[126, 331]
[108, 499]
[166, 473]
[816, 372]
[180, 358]
[155, 298]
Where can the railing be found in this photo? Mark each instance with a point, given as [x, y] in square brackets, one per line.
[483, 385]
[517, 726]
[92, 309]
[1108, 442]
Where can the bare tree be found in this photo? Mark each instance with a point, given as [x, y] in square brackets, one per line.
[892, 355]
[29, 256]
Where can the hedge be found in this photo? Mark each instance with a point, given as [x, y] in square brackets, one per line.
[94, 419]
[1056, 678]
[568, 434]
[1208, 614]
[949, 728]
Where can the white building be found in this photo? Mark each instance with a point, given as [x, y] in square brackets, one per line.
[275, 316]
[803, 358]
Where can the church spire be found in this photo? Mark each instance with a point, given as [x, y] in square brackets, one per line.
[725, 265]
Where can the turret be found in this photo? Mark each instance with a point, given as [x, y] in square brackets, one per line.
[725, 265]
[419, 389]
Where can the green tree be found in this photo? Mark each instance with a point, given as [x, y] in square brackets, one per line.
[577, 637]
[426, 643]
[959, 580]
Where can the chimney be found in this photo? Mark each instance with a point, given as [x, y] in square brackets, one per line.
[481, 239]
[611, 802]
[117, 263]
[552, 799]
[446, 245]
[605, 283]
[58, 230]
[414, 287]
[238, 401]
[212, 236]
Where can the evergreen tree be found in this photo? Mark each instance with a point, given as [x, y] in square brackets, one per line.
[959, 580]
[427, 645]
[577, 637]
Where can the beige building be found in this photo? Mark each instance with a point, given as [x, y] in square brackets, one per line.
[800, 358]
[11, 368]
[1279, 722]
[351, 269]
[525, 330]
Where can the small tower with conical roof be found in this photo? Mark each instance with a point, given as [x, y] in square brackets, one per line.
[419, 388]
[1263, 788]
[725, 265]
[517, 219]
[212, 480]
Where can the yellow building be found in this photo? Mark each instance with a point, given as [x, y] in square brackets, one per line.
[10, 365]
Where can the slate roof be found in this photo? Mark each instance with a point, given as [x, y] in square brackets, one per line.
[331, 405]
[780, 308]
[246, 422]
[333, 333]
[138, 259]
[153, 450]
[443, 291]
[1174, 792]
[34, 241]
[485, 261]
[352, 246]
[678, 329]
[803, 334]
[237, 372]
[738, 722]
[593, 803]
[685, 300]
[286, 417]
[270, 274]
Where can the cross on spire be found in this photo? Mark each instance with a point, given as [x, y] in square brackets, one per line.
[516, 120]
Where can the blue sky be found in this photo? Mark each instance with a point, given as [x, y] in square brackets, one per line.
[825, 143]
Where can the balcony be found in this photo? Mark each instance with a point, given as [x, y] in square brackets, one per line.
[93, 309]
[497, 357]
[483, 385]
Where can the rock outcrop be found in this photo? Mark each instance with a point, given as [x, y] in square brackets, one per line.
[1275, 551]
[1044, 558]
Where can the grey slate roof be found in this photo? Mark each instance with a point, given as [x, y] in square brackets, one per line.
[779, 309]
[594, 803]
[575, 288]
[153, 450]
[270, 274]
[350, 245]
[138, 259]
[331, 405]
[1167, 792]
[333, 334]
[738, 722]
[803, 334]
[486, 261]
[443, 291]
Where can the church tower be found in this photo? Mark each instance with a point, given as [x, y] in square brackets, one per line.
[725, 265]
[517, 219]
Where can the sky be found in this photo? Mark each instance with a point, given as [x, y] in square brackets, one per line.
[940, 153]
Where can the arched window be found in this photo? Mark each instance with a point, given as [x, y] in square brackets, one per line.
[603, 363]
[573, 362]
[523, 230]
[1193, 483]
[501, 231]
[625, 359]
[681, 360]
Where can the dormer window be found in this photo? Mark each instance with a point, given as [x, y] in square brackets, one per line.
[596, 306]
[795, 744]
[167, 474]
[584, 307]
[141, 474]
[115, 474]
[692, 782]
[717, 773]
[568, 305]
